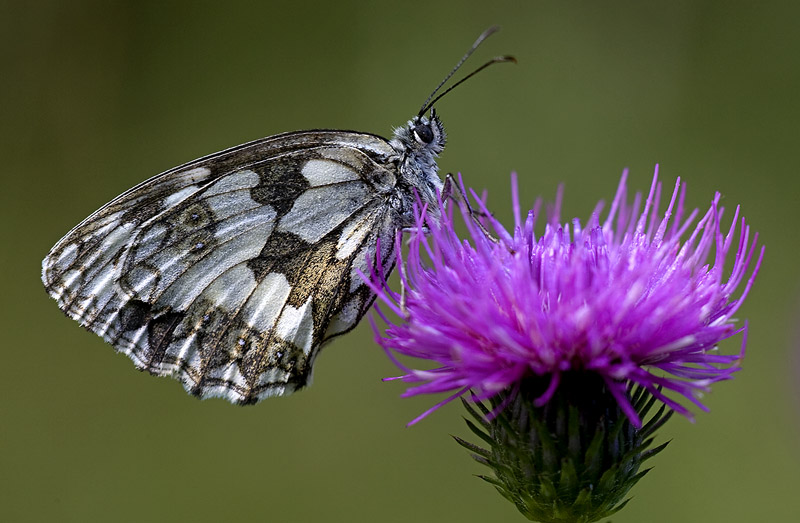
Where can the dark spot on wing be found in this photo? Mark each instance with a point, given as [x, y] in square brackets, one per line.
[283, 253]
[133, 315]
[280, 184]
[195, 216]
[197, 245]
[159, 336]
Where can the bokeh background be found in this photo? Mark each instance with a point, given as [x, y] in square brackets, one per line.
[97, 96]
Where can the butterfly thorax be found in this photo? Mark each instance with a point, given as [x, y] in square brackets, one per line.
[418, 143]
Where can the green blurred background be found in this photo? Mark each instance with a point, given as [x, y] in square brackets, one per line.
[97, 96]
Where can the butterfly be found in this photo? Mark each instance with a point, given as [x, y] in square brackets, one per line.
[230, 272]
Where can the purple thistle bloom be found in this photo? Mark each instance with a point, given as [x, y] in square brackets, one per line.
[638, 298]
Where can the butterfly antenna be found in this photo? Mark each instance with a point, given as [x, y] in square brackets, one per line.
[484, 35]
[495, 60]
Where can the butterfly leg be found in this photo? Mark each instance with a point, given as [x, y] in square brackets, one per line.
[453, 191]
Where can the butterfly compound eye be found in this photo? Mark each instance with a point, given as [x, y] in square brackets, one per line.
[423, 133]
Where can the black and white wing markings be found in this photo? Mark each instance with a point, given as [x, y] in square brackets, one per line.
[230, 272]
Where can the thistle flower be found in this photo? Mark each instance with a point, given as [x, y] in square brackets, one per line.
[626, 299]
[561, 344]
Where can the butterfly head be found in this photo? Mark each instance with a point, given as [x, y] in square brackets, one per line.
[421, 137]
[428, 133]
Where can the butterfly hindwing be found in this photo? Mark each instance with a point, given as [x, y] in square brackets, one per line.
[231, 271]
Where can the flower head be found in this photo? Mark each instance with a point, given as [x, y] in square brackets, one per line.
[639, 298]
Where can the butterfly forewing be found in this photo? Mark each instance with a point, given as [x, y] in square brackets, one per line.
[231, 271]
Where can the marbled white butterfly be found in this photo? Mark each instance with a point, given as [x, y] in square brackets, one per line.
[230, 272]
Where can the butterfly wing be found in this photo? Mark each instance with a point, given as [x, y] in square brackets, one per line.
[230, 272]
